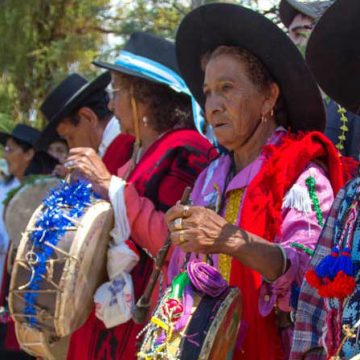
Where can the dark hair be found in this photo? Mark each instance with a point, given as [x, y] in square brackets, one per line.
[257, 72]
[98, 103]
[41, 164]
[169, 109]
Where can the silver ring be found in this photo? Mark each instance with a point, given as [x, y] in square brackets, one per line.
[178, 224]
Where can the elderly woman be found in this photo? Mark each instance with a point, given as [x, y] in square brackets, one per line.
[275, 184]
[152, 103]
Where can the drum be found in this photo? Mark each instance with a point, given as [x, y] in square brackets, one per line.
[209, 331]
[60, 262]
[20, 207]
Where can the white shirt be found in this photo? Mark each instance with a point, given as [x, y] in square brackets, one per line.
[111, 131]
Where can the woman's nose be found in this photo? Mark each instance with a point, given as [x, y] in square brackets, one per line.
[213, 104]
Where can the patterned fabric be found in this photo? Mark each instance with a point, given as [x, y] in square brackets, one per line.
[168, 166]
[231, 215]
[312, 322]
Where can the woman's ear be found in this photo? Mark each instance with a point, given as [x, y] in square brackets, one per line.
[271, 98]
[87, 114]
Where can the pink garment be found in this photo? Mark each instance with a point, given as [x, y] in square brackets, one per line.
[296, 226]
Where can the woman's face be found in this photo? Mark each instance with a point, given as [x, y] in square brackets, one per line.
[120, 104]
[58, 150]
[233, 104]
[17, 159]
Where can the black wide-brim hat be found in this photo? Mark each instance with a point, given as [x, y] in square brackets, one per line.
[209, 26]
[148, 46]
[288, 9]
[333, 53]
[21, 132]
[69, 95]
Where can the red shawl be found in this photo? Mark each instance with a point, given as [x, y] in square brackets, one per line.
[170, 164]
[262, 216]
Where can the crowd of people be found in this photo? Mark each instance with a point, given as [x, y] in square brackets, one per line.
[263, 126]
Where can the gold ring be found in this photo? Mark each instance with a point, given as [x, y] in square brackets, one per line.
[181, 237]
[178, 224]
[186, 211]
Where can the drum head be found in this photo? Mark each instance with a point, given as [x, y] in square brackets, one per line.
[215, 326]
[23, 204]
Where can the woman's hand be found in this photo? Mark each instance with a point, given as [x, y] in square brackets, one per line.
[198, 229]
[201, 230]
[88, 165]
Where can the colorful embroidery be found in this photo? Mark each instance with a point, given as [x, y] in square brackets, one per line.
[311, 185]
[231, 215]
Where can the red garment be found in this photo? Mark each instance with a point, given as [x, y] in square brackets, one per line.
[262, 216]
[118, 152]
[168, 166]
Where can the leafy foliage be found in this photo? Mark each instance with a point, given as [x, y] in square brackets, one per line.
[41, 41]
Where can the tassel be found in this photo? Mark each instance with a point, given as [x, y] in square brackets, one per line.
[297, 198]
[333, 277]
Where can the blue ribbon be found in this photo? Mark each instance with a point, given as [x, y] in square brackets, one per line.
[52, 225]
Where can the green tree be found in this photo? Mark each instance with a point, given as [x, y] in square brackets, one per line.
[40, 41]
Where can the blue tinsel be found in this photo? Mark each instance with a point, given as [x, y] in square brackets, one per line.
[75, 197]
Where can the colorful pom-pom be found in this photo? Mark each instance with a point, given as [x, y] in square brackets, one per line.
[333, 277]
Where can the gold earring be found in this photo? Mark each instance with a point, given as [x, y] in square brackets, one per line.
[263, 119]
[272, 113]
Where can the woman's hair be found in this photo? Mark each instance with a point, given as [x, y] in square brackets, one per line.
[41, 163]
[257, 73]
[168, 109]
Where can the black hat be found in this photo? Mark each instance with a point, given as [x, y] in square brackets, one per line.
[210, 26]
[333, 53]
[152, 48]
[22, 132]
[69, 95]
[288, 9]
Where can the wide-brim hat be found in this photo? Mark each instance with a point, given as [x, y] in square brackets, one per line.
[333, 53]
[288, 9]
[144, 46]
[70, 94]
[21, 132]
[210, 26]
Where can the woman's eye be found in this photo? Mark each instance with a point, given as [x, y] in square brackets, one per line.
[226, 87]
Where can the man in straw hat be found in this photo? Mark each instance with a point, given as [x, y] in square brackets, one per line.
[327, 320]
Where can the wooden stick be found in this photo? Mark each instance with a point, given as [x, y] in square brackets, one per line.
[143, 305]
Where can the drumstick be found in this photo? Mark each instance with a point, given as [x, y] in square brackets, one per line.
[143, 305]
